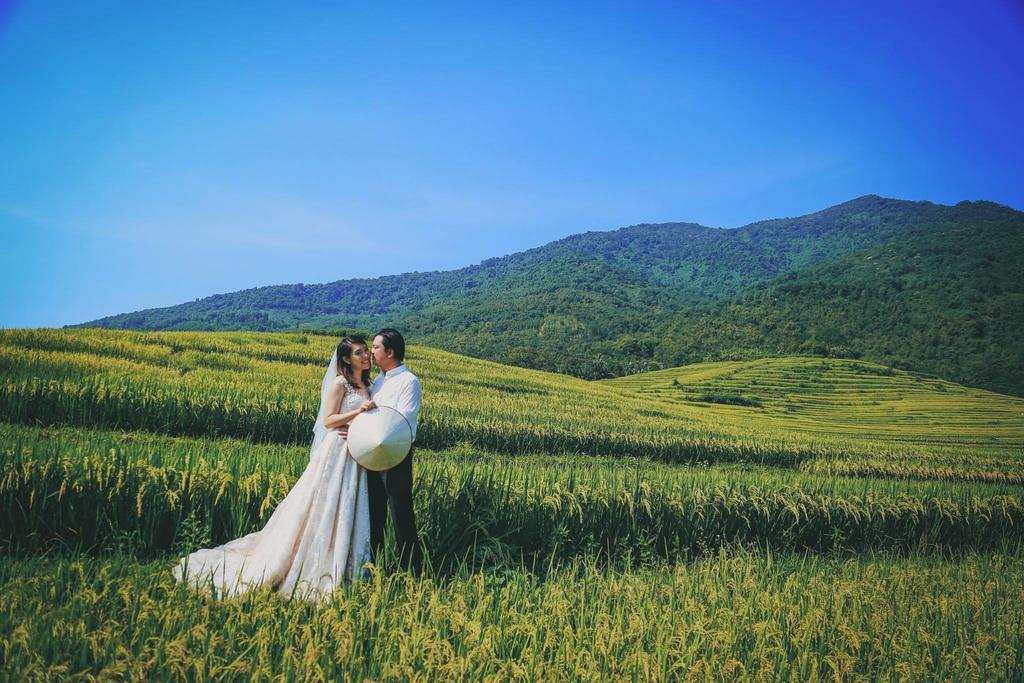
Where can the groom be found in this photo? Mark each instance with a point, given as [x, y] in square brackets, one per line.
[396, 387]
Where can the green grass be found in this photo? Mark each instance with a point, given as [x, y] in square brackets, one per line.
[851, 398]
[152, 495]
[731, 616]
[832, 519]
[236, 385]
[262, 387]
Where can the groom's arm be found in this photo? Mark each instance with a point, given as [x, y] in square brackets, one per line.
[408, 403]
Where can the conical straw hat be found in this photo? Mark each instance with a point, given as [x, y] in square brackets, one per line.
[380, 438]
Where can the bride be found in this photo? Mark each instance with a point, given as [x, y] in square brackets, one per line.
[318, 537]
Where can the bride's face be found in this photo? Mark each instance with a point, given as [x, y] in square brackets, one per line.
[360, 358]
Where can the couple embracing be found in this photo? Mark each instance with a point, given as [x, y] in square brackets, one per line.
[332, 521]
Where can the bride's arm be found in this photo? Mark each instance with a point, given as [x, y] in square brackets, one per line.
[334, 419]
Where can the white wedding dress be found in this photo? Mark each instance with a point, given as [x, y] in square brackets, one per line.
[316, 539]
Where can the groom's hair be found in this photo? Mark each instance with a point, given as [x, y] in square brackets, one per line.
[393, 340]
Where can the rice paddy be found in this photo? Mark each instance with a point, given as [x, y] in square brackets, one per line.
[796, 518]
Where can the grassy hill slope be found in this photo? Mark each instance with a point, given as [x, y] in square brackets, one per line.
[839, 396]
[548, 509]
[262, 387]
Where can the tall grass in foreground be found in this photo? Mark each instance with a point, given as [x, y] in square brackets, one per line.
[564, 558]
[492, 509]
[731, 616]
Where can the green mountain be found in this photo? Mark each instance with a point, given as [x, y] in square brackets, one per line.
[946, 297]
[924, 286]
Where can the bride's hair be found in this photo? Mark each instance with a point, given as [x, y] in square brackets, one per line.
[345, 347]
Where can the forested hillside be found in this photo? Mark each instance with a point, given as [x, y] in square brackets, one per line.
[947, 298]
[923, 286]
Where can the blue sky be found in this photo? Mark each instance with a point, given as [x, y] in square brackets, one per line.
[153, 155]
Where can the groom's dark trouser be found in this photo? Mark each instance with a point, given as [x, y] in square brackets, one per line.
[395, 490]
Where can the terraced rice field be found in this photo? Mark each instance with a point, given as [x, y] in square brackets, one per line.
[851, 398]
[846, 521]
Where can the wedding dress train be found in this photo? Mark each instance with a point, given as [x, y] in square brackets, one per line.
[316, 539]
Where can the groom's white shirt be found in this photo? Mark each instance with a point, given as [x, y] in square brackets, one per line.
[399, 389]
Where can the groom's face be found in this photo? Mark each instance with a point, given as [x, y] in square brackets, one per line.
[381, 357]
